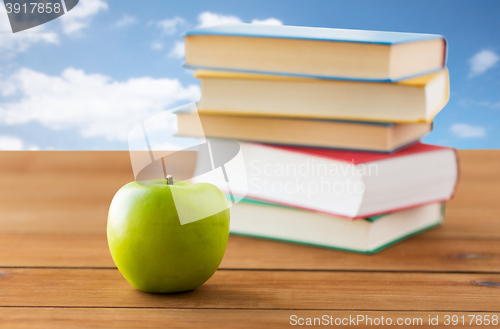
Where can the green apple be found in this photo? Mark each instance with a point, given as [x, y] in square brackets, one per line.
[151, 246]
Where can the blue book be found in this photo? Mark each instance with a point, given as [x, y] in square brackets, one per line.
[315, 52]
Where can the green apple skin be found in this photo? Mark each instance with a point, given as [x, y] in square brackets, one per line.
[152, 250]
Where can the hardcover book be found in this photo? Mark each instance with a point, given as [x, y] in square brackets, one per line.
[315, 52]
[354, 135]
[407, 101]
[365, 235]
[347, 183]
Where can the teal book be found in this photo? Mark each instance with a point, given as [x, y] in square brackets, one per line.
[365, 235]
[323, 53]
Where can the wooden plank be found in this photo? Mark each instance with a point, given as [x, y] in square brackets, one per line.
[65, 318]
[62, 192]
[54, 250]
[70, 192]
[59, 192]
[259, 290]
[417, 254]
[65, 161]
[475, 209]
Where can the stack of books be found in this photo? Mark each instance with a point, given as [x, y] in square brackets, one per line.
[329, 122]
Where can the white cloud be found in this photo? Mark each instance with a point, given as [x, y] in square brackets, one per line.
[13, 43]
[467, 102]
[80, 16]
[169, 26]
[94, 105]
[269, 21]
[125, 20]
[482, 62]
[207, 18]
[463, 130]
[11, 143]
[157, 46]
[178, 51]
[493, 105]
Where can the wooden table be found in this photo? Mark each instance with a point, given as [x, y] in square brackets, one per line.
[56, 271]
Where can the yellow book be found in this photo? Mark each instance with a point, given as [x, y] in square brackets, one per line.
[407, 101]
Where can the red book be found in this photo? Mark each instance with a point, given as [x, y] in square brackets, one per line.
[347, 183]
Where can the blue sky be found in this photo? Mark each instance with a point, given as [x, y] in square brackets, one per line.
[82, 81]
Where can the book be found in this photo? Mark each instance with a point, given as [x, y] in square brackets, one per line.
[366, 235]
[344, 183]
[315, 52]
[364, 136]
[408, 101]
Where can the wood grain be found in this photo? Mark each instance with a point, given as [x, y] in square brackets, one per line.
[59, 192]
[54, 250]
[62, 192]
[259, 290]
[416, 254]
[69, 192]
[474, 211]
[66, 318]
[53, 209]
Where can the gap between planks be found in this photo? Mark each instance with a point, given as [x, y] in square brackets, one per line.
[260, 290]
[416, 254]
[206, 318]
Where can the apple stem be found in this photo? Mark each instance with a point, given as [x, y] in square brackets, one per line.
[169, 179]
